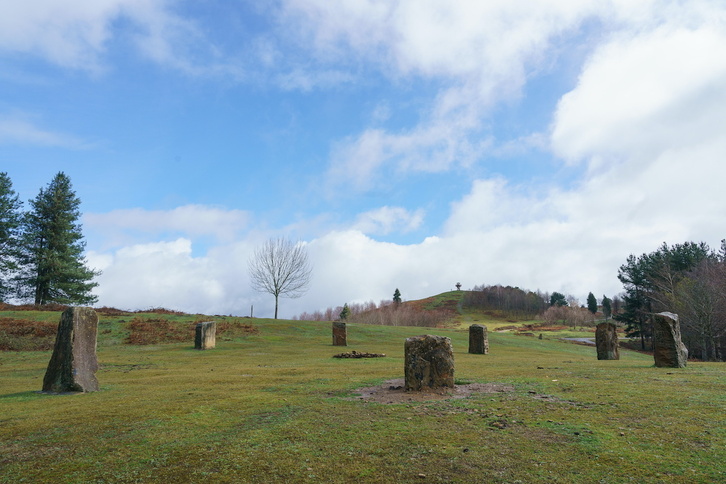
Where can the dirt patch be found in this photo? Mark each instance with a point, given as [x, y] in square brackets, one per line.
[391, 391]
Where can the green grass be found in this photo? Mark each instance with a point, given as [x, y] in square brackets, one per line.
[276, 407]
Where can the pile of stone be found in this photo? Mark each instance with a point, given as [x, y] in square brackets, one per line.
[355, 354]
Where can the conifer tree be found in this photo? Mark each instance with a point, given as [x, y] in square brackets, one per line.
[10, 218]
[397, 296]
[591, 303]
[53, 248]
[607, 306]
[558, 299]
[345, 312]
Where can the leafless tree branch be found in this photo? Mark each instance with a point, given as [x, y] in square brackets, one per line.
[280, 267]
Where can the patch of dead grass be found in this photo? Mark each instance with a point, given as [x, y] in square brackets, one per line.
[26, 335]
[151, 331]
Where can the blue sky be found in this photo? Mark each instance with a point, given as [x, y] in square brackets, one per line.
[409, 144]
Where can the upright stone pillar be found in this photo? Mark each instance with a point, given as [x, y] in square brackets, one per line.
[340, 334]
[73, 364]
[205, 336]
[478, 340]
[429, 363]
[606, 342]
[668, 349]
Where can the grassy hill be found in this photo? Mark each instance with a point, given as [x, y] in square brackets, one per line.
[271, 404]
[450, 312]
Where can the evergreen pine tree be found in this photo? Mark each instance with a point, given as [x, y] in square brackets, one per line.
[607, 306]
[53, 248]
[591, 303]
[10, 218]
[397, 296]
[345, 312]
[558, 299]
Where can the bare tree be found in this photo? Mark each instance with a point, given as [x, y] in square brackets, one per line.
[281, 268]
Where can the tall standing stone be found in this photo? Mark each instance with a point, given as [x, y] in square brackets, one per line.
[429, 363]
[606, 342]
[73, 364]
[668, 349]
[205, 336]
[340, 334]
[478, 340]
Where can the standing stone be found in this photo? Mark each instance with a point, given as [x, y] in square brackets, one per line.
[429, 363]
[606, 341]
[205, 337]
[73, 365]
[478, 340]
[668, 349]
[340, 334]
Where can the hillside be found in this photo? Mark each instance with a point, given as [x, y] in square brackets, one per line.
[445, 310]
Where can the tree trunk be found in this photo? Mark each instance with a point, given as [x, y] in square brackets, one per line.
[276, 296]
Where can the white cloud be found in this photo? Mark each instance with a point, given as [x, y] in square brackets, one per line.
[76, 34]
[492, 203]
[359, 163]
[571, 241]
[640, 94]
[160, 274]
[385, 220]
[649, 80]
[19, 129]
[480, 52]
[487, 40]
[644, 120]
[190, 220]
[68, 33]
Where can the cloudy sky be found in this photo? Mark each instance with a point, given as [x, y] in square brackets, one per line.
[410, 144]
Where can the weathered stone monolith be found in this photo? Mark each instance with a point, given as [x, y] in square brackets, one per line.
[478, 340]
[606, 342]
[205, 336]
[340, 334]
[668, 349]
[73, 364]
[429, 363]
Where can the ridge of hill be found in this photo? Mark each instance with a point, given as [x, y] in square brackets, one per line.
[459, 314]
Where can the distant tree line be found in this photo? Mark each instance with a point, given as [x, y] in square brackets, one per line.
[688, 279]
[567, 315]
[502, 301]
[567, 311]
[509, 301]
[386, 313]
[42, 249]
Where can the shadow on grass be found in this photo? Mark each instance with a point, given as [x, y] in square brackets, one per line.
[27, 395]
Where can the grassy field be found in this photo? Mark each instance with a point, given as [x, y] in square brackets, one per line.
[274, 406]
